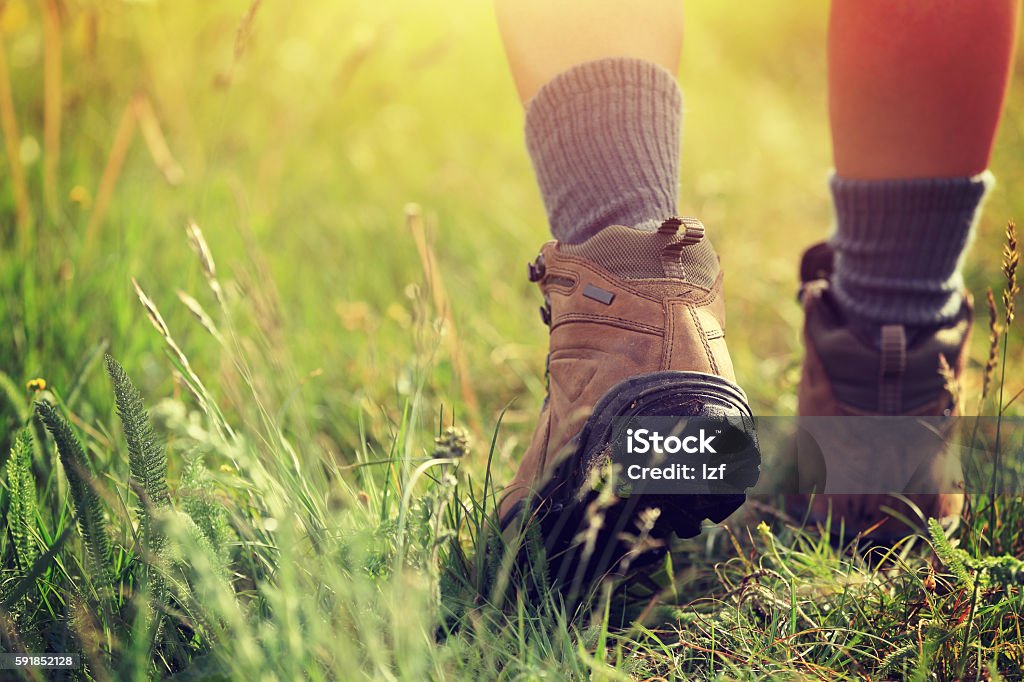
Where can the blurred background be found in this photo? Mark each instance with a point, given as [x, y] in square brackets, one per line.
[296, 135]
[326, 209]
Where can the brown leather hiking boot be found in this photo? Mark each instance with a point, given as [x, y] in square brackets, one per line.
[890, 453]
[630, 335]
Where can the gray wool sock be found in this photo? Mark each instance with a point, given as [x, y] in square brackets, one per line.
[604, 140]
[899, 247]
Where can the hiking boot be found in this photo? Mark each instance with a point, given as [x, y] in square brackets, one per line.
[630, 335]
[888, 462]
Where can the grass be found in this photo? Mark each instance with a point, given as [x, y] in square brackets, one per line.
[299, 360]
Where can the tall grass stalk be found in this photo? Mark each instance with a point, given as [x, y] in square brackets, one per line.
[1011, 259]
[108, 181]
[12, 146]
[53, 105]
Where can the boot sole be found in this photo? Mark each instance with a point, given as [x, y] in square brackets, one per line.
[566, 517]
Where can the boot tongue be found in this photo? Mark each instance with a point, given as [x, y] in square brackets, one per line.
[677, 250]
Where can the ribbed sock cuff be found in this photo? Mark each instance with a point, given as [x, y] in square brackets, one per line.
[900, 244]
[604, 140]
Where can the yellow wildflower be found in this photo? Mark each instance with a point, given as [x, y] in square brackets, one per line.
[80, 195]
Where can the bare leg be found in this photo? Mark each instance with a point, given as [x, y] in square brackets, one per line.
[916, 88]
[543, 38]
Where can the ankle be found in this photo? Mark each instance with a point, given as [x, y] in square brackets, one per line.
[899, 247]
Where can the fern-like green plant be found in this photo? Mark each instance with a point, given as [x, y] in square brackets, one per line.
[952, 558]
[21, 515]
[88, 507]
[147, 466]
[1000, 570]
[21, 518]
[147, 460]
[197, 495]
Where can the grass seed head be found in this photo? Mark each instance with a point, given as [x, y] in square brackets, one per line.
[950, 382]
[151, 311]
[198, 243]
[453, 443]
[1011, 259]
[993, 343]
